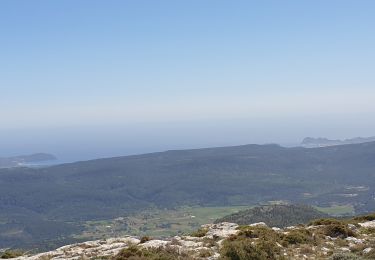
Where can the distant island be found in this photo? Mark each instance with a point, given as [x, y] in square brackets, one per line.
[310, 142]
[23, 160]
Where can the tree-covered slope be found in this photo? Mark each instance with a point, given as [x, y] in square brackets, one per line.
[275, 215]
[242, 175]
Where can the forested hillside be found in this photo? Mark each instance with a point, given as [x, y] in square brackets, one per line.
[62, 196]
[275, 215]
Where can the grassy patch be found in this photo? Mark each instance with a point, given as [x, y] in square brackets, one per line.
[338, 230]
[337, 210]
[158, 223]
[364, 218]
[199, 233]
[257, 242]
[137, 253]
[298, 236]
[11, 254]
[324, 221]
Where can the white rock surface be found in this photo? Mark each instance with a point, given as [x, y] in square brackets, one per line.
[258, 224]
[100, 248]
[112, 246]
[355, 240]
[155, 243]
[221, 230]
[367, 250]
[368, 224]
[352, 227]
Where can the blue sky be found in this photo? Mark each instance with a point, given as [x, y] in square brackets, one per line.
[103, 78]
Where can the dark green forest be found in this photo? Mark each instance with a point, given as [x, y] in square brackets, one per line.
[275, 215]
[50, 203]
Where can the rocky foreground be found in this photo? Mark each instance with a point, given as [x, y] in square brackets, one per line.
[321, 239]
[107, 248]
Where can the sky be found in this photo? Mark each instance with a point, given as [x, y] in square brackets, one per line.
[87, 79]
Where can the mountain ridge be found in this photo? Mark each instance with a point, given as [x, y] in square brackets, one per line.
[71, 194]
[311, 142]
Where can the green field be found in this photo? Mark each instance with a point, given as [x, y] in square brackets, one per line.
[338, 210]
[158, 223]
[168, 222]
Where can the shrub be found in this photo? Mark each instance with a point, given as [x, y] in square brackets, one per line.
[369, 217]
[368, 231]
[371, 254]
[11, 254]
[324, 221]
[205, 253]
[338, 230]
[175, 242]
[298, 236]
[342, 242]
[144, 239]
[45, 257]
[269, 247]
[243, 249]
[136, 253]
[127, 253]
[358, 248]
[305, 249]
[258, 232]
[209, 242]
[344, 256]
[200, 232]
[243, 246]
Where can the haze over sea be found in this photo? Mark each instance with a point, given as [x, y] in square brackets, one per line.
[83, 79]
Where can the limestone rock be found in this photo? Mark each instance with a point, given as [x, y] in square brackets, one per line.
[368, 224]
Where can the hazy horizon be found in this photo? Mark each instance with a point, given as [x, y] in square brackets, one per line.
[76, 145]
[90, 79]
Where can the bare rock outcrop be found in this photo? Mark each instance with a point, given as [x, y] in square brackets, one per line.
[110, 247]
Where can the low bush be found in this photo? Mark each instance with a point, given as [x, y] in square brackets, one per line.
[11, 254]
[127, 253]
[338, 230]
[297, 236]
[209, 242]
[144, 239]
[368, 231]
[369, 217]
[342, 242]
[243, 246]
[205, 253]
[244, 249]
[258, 232]
[370, 255]
[345, 256]
[175, 242]
[306, 249]
[200, 232]
[324, 221]
[136, 253]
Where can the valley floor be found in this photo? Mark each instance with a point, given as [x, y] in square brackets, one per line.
[321, 239]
